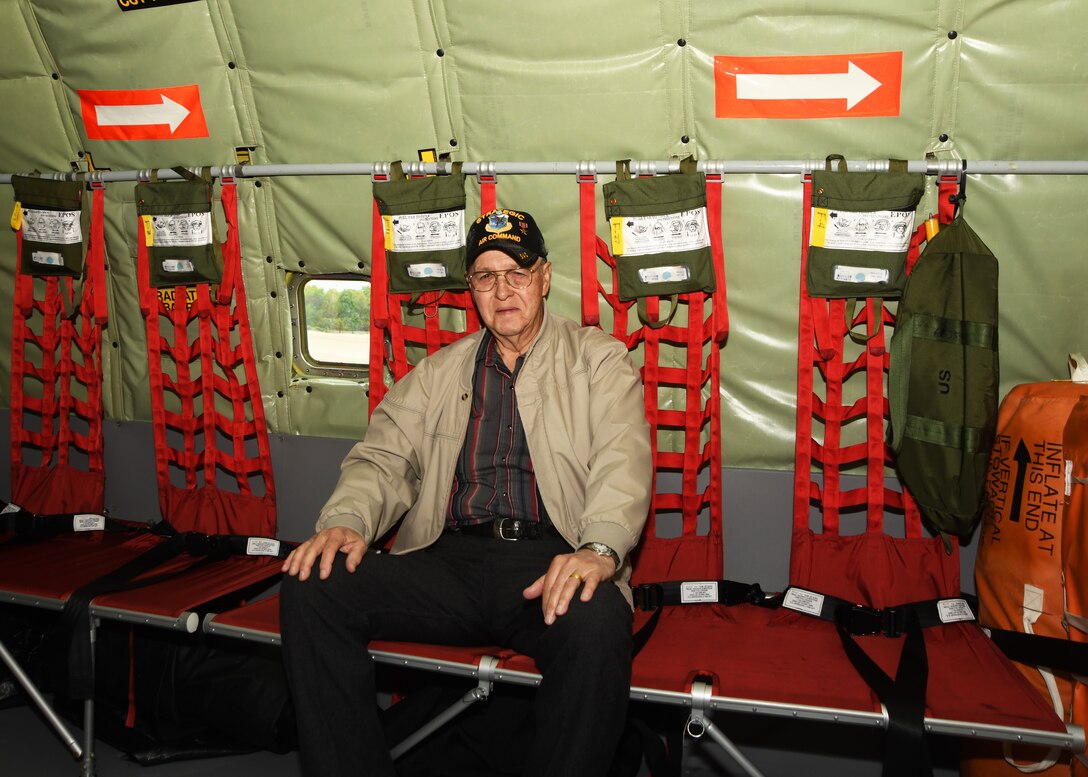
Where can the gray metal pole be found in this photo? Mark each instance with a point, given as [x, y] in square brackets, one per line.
[39, 701]
[589, 167]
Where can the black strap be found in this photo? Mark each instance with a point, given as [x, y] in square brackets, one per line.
[653, 596]
[75, 623]
[1036, 650]
[906, 750]
[34, 526]
[860, 620]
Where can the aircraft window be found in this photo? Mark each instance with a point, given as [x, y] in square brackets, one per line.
[331, 319]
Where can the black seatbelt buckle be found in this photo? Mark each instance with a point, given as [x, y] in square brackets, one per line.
[860, 621]
[646, 596]
[891, 622]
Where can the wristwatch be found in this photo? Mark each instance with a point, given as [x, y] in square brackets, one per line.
[602, 550]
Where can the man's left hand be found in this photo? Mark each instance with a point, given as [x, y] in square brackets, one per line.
[568, 572]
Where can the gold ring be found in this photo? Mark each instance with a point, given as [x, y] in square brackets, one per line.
[575, 576]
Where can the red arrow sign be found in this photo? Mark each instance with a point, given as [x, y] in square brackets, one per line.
[820, 87]
[143, 114]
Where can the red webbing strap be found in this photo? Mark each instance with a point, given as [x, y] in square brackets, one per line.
[487, 193]
[948, 191]
[714, 219]
[673, 364]
[56, 421]
[587, 234]
[212, 383]
[379, 307]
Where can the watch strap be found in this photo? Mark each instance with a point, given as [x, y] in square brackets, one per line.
[602, 550]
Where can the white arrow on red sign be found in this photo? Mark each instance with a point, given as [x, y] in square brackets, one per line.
[808, 86]
[166, 111]
[854, 86]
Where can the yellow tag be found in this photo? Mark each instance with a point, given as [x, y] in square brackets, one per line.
[932, 227]
[17, 217]
[616, 223]
[149, 231]
[387, 225]
[818, 231]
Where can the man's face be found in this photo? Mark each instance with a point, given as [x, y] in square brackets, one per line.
[506, 311]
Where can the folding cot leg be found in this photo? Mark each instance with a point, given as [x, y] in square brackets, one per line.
[484, 676]
[35, 695]
[699, 724]
[87, 769]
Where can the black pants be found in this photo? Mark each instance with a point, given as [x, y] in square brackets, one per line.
[462, 590]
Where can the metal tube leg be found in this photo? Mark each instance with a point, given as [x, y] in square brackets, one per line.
[726, 744]
[39, 701]
[484, 683]
[437, 722]
[87, 768]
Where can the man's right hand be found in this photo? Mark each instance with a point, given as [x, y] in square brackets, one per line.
[325, 545]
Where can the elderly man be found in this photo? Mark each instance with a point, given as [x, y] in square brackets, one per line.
[517, 461]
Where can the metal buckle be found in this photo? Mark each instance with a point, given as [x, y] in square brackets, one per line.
[500, 529]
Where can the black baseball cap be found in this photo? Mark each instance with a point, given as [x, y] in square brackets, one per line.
[511, 231]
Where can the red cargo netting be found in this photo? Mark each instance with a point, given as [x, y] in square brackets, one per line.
[212, 456]
[56, 383]
[680, 374]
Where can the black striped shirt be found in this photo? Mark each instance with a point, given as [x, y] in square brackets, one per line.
[494, 476]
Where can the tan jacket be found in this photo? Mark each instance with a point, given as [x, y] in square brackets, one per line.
[581, 403]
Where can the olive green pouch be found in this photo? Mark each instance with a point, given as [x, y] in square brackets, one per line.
[54, 226]
[424, 224]
[182, 237]
[860, 230]
[660, 235]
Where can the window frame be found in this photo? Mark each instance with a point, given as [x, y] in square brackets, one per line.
[304, 361]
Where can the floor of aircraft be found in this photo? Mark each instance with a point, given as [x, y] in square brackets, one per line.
[29, 749]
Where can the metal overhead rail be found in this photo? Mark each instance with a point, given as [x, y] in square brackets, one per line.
[587, 167]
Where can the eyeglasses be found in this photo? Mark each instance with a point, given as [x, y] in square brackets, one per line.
[485, 280]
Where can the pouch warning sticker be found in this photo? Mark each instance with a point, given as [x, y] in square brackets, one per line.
[668, 233]
[407, 232]
[60, 227]
[881, 230]
[182, 229]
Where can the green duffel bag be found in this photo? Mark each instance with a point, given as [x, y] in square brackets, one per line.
[660, 235]
[424, 224]
[182, 237]
[54, 226]
[943, 378]
[860, 231]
